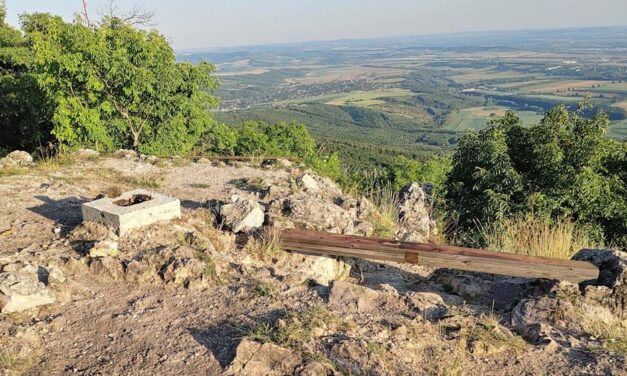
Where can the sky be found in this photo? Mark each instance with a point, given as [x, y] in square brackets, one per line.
[220, 23]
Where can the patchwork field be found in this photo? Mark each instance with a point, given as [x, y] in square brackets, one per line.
[477, 117]
[368, 98]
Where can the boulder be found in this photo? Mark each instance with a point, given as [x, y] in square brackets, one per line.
[105, 248]
[351, 297]
[255, 359]
[319, 269]
[16, 158]
[183, 271]
[312, 213]
[317, 369]
[430, 305]
[22, 289]
[242, 215]
[611, 288]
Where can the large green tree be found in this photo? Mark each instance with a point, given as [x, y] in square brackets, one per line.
[114, 85]
[25, 111]
[563, 167]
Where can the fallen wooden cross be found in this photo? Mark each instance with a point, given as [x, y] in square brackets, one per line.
[468, 259]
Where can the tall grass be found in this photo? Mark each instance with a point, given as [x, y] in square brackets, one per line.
[535, 237]
[384, 217]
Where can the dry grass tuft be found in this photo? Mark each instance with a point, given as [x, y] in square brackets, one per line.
[385, 215]
[536, 237]
[295, 330]
[268, 246]
[607, 328]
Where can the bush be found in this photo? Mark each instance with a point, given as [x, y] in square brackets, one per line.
[565, 167]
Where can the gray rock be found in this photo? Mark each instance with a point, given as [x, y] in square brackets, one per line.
[242, 215]
[351, 297]
[16, 158]
[86, 153]
[414, 211]
[430, 305]
[322, 270]
[255, 359]
[125, 154]
[308, 184]
[611, 288]
[23, 290]
[312, 213]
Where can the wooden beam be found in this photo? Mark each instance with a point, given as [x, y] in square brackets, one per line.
[439, 256]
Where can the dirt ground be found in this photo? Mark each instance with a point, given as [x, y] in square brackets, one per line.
[112, 326]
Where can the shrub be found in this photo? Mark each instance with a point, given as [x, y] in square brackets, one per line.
[563, 167]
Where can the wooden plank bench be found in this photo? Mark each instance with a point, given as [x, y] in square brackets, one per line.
[440, 256]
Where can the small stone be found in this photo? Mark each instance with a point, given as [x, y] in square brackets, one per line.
[252, 358]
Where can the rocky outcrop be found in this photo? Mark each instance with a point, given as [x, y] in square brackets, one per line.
[611, 288]
[243, 215]
[255, 359]
[414, 215]
[16, 158]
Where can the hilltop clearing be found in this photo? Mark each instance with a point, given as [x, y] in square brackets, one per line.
[210, 293]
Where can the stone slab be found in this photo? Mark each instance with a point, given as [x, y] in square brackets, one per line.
[122, 215]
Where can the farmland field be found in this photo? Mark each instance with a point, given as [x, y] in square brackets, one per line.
[411, 96]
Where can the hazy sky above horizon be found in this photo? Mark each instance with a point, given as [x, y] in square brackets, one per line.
[210, 23]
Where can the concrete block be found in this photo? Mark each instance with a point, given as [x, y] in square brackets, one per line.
[132, 210]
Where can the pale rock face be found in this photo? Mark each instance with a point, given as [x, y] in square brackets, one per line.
[16, 158]
[255, 359]
[22, 289]
[313, 213]
[242, 215]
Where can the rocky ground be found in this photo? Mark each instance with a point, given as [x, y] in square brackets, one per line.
[212, 293]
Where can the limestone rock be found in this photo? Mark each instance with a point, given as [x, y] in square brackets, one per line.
[611, 288]
[351, 297]
[23, 290]
[321, 270]
[86, 153]
[242, 215]
[105, 248]
[255, 359]
[414, 210]
[182, 272]
[430, 305]
[125, 154]
[313, 213]
[531, 314]
[107, 267]
[317, 369]
[16, 158]
[308, 184]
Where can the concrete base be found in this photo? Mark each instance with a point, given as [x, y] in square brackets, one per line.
[132, 210]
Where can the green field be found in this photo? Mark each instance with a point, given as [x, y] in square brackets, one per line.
[476, 118]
